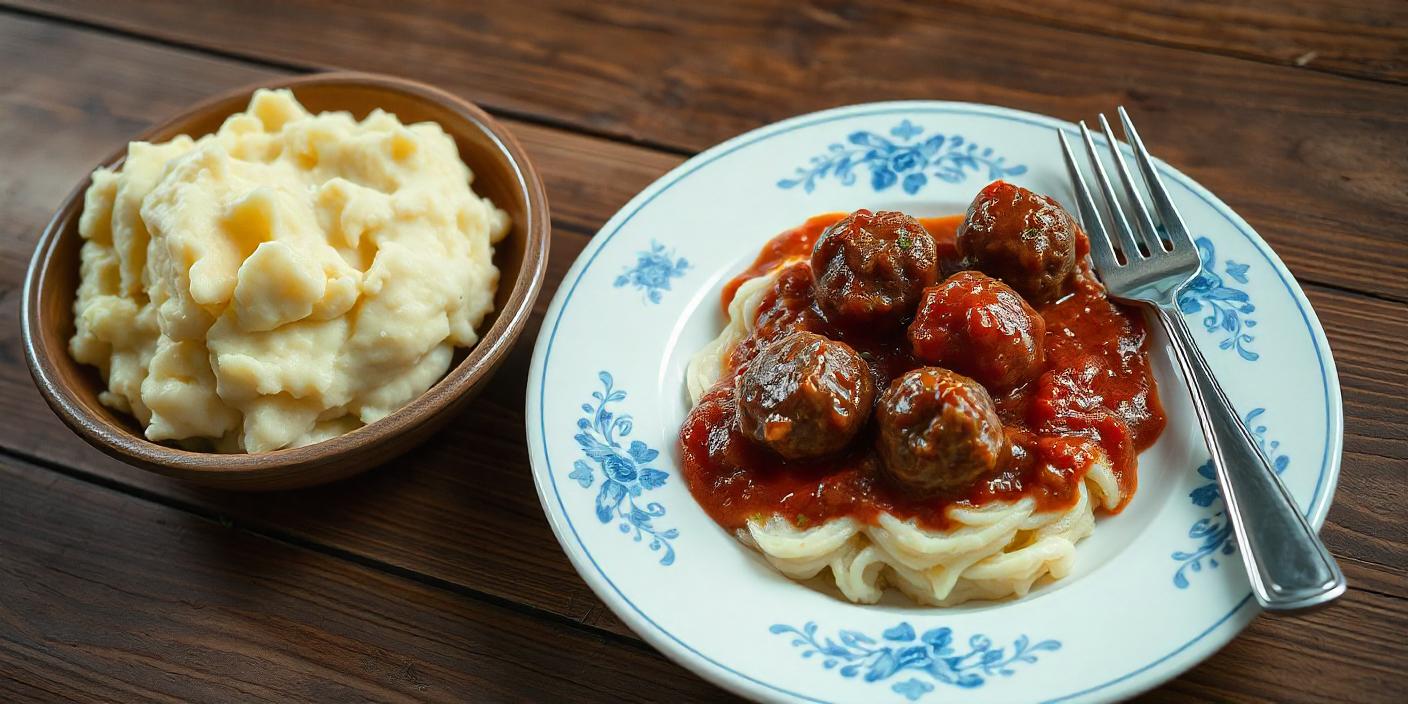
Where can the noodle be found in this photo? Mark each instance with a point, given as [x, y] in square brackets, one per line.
[993, 551]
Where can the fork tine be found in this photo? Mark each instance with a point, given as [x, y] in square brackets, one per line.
[1101, 249]
[1176, 231]
[1148, 234]
[1128, 246]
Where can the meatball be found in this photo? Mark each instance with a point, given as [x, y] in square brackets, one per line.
[871, 267]
[1026, 239]
[804, 396]
[938, 431]
[978, 326]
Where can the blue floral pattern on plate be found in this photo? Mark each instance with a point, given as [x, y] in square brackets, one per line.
[1227, 307]
[1130, 657]
[905, 158]
[653, 270]
[1214, 532]
[930, 657]
[623, 471]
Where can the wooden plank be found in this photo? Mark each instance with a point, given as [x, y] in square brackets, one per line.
[422, 514]
[1366, 521]
[1315, 161]
[1361, 38]
[110, 597]
[1325, 656]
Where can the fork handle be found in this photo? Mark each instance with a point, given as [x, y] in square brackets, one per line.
[1290, 568]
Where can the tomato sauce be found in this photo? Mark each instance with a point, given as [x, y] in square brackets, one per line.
[1096, 390]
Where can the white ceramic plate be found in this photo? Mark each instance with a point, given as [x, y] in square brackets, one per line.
[1156, 589]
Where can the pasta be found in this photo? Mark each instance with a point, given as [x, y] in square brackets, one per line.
[993, 551]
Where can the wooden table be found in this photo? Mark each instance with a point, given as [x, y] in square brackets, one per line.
[438, 577]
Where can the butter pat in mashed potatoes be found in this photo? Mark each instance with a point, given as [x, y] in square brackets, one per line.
[284, 280]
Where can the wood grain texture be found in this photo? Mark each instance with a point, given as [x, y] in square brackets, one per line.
[111, 597]
[1334, 659]
[1362, 38]
[468, 524]
[1316, 162]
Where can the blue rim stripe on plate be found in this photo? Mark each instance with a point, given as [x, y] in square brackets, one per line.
[846, 114]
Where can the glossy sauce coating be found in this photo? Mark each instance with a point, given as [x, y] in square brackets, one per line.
[976, 325]
[937, 431]
[804, 396]
[1026, 239]
[1095, 389]
[871, 268]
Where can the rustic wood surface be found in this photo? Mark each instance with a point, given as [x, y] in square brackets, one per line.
[437, 577]
[1363, 38]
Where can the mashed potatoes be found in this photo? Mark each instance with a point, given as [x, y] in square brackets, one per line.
[284, 280]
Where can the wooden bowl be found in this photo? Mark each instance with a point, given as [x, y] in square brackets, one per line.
[502, 172]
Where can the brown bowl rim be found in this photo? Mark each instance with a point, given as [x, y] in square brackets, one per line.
[477, 366]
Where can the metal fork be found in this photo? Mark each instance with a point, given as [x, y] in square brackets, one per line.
[1290, 568]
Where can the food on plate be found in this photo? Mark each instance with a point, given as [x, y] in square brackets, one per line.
[804, 396]
[871, 267]
[1023, 238]
[977, 325]
[952, 439]
[284, 280]
[937, 430]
